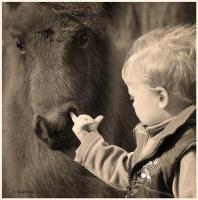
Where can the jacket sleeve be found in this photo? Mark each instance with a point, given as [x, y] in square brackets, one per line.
[108, 162]
[184, 183]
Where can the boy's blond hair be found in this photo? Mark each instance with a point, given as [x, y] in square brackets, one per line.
[165, 58]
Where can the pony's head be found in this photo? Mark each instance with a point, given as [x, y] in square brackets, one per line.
[61, 65]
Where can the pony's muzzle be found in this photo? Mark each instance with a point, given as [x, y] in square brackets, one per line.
[56, 131]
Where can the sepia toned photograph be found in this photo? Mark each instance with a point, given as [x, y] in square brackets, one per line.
[98, 99]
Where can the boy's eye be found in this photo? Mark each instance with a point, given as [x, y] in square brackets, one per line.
[131, 98]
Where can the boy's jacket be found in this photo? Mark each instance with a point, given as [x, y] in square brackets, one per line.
[152, 176]
[156, 172]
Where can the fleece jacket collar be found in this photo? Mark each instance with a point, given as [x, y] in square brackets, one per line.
[171, 128]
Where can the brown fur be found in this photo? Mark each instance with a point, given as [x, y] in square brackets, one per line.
[59, 71]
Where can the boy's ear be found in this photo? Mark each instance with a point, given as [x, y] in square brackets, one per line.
[162, 97]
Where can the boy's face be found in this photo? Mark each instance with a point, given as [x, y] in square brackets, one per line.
[145, 102]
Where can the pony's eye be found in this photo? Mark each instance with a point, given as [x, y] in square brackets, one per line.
[21, 46]
[83, 37]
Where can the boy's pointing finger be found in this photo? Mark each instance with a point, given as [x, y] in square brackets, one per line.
[73, 116]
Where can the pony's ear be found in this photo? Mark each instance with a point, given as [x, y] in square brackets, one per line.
[111, 8]
[8, 10]
[13, 5]
[122, 26]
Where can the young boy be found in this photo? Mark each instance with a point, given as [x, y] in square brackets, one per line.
[160, 73]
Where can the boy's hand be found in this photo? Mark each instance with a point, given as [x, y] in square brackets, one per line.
[83, 124]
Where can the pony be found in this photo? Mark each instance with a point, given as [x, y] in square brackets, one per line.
[63, 57]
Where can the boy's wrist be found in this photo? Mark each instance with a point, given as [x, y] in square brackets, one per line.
[86, 145]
